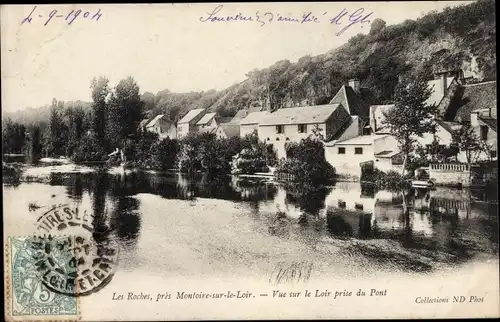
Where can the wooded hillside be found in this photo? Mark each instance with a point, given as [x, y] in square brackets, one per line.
[461, 37]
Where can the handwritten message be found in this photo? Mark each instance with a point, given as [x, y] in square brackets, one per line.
[343, 18]
[69, 17]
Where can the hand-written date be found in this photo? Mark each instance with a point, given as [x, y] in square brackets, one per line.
[69, 17]
[344, 17]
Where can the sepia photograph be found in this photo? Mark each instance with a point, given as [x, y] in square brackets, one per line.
[214, 161]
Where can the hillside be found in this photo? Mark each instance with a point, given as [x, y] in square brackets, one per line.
[462, 37]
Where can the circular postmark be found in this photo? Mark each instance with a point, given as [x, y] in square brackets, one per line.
[76, 258]
[73, 265]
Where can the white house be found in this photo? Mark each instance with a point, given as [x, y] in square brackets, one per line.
[207, 121]
[162, 126]
[187, 124]
[250, 123]
[294, 124]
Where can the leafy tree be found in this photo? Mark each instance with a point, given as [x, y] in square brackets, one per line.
[468, 142]
[124, 112]
[376, 26]
[56, 133]
[76, 124]
[100, 91]
[13, 137]
[306, 162]
[411, 116]
[89, 149]
[164, 154]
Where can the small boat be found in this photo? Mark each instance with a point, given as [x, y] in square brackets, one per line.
[422, 184]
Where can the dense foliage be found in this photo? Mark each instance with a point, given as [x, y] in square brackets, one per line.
[306, 163]
[411, 116]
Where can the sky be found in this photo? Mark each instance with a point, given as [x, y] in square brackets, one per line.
[168, 46]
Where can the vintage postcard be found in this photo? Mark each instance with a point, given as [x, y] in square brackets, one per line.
[214, 161]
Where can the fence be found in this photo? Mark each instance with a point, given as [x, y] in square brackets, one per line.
[451, 167]
[285, 176]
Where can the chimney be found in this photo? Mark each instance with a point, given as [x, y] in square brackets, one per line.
[354, 84]
[444, 85]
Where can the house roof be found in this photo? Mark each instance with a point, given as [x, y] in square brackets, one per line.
[143, 123]
[491, 123]
[230, 129]
[387, 154]
[344, 127]
[254, 118]
[359, 140]
[191, 115]
[155, 119]
[437, 90]
[355, 103]
[241, 114]
[206, 118]
[300, 115]
[255, 109]
[473, 97]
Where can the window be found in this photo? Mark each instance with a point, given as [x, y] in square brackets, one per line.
[493, 154]
[358, 150]
[341, 151]
[280, 129]
[302, 128]
[484, 132]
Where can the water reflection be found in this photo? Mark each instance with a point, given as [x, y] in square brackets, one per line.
[442, 224]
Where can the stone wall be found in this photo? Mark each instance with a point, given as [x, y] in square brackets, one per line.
[449, 174]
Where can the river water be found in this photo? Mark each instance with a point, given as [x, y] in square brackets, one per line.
[169, 224]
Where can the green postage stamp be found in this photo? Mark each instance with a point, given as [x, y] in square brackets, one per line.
[29, 277]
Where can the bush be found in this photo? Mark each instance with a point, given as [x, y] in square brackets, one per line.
[248, 161]
[11, 174]
[306, 163]
[89, 149]
[163, 154]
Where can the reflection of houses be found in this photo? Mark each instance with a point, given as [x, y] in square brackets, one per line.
[350, 196]
[187, 124]
[162, 126]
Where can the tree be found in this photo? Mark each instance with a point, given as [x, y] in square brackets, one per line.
[411, 116]
[100, 92]
[55, 136]
[467, 141]
[124, 112]
[13, 137]
[376, 26]
[75, 118]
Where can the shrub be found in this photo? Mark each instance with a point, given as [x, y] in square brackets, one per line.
[306, 163]
[89, 149]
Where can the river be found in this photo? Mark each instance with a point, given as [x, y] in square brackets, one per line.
[169, 224]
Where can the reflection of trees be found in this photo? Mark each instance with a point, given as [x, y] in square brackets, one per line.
[254, 190]
[125, 220]
[310, 200]
[75, 188]
[99, 187]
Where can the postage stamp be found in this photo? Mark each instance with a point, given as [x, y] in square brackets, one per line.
[49, 273]
[29, 295]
